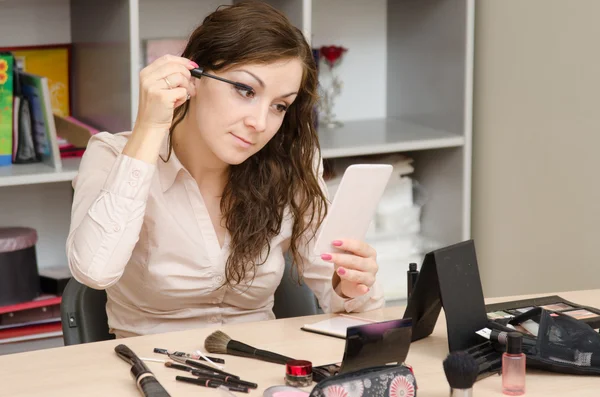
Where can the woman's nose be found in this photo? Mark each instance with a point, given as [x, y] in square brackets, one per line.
[258, 118]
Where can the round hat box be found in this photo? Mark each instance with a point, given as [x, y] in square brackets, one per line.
[19, 278]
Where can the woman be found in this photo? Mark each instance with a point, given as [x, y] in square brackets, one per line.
[186, 219]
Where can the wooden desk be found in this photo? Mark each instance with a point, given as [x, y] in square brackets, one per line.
[95, 370]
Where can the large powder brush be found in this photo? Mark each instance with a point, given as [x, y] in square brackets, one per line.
[220, 343]
[461, 372]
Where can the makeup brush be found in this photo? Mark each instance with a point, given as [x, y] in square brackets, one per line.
[461, 372]
[220, 343]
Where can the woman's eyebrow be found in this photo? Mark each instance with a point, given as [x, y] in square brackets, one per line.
[262, 83]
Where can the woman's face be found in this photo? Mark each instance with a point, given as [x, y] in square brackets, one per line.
[235, 124]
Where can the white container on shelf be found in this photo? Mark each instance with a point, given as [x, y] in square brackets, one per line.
[396, 212]
[400, 220]
[393, 256]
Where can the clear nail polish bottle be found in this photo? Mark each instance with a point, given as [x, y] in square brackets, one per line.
[513, 366]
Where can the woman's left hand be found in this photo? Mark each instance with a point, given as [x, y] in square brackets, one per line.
[356, 267]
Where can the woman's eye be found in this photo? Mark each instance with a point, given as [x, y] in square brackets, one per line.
[246, 93]
[282, 108]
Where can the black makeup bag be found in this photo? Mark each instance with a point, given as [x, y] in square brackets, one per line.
[388, 380]
[564, 344]
[449, 279]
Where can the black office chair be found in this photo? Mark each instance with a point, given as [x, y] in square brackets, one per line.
[83, 314]
[83, 309]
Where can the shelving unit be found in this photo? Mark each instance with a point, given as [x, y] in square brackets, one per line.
[31, 174]
[378, 136]
[407, 88]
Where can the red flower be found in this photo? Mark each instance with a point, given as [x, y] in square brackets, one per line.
[332, 53]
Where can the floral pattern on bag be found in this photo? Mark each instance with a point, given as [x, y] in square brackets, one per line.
[383, 383]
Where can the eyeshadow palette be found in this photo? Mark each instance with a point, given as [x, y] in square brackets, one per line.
[499, 314]
[580, 314]
[504, 311]
[557, 307]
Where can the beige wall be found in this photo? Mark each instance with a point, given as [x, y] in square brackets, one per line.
[536, 153]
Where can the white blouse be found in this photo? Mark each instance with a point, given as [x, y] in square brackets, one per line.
[142, 232]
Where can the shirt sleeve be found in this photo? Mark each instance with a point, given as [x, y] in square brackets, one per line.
[318, 274]
[109, 202]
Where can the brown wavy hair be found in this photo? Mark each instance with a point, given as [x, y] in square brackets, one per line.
[283, 174]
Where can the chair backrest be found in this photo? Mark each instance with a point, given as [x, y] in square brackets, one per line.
[291, 299]
[83, 309]
[83, 314]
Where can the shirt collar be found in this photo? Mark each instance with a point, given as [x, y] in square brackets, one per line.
[167, 171]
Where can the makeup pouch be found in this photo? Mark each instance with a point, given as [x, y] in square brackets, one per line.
[382, 381]
[563, 344]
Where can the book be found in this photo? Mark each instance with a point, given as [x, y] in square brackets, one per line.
[335, 326]
[74, 131]
[35, 88]
[52, 61]
[6, 108]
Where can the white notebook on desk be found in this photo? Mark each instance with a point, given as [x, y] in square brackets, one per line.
[335, 326]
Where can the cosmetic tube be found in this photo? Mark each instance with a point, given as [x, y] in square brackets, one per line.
[411, 278]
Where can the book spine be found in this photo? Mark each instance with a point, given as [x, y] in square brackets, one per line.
[6, 108]
[52, 136]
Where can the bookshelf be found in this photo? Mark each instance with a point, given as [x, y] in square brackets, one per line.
[407, 89]
[378, 136]
[31, 174]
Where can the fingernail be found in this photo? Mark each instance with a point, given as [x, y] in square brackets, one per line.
[337, 243]
[326, 257]
[341, 271]
[194, 64]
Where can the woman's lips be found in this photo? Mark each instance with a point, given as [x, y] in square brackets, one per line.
[241, 141]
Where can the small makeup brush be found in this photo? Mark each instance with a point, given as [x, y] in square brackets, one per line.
[461, 372]
[220, 343]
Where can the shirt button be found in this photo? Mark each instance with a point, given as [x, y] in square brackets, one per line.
[116, 227]
[135, 174]
[213, 319]
[219, 279]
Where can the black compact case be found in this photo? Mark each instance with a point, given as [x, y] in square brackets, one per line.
[370, 346]
[563, 340]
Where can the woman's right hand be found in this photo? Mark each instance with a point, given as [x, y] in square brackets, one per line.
[164, 85]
